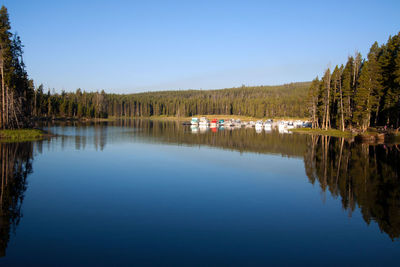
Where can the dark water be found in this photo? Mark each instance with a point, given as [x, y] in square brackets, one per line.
[155, 193]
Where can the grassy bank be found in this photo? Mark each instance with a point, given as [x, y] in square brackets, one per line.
[331, 132]
[21, 135]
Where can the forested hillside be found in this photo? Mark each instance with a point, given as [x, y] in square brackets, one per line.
[260, 101]
[362, 93]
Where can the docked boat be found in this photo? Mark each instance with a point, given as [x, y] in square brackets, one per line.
[214, 123]
[282, 125]
[228, 123]
[268, 124]
[194, 121]
[290, 125]
[204, 122]
[248, 125]
[259, 124]
[237, 124]
[221, 122]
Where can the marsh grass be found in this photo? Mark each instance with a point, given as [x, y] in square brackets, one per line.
[21, 135]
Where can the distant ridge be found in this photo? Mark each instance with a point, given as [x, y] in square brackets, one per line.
[292, 85]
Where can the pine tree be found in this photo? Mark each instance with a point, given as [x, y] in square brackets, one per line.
[312, 100]
[326, 87]
[5, 65]
[391, 92]
[347, 90]
[362, 99]
[376, 80]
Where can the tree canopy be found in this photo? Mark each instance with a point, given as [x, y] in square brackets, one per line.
[363, 93]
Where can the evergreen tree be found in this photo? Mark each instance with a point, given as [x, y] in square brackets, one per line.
[312, 102]
[347, 91]
[16, 89]
[362, 99]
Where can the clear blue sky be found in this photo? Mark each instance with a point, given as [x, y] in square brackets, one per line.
[131, 46]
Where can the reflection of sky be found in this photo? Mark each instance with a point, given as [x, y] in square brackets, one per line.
[133, 200]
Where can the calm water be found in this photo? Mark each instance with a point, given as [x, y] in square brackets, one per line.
[158, 193]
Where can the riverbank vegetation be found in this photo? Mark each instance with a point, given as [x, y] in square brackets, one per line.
[21, 134]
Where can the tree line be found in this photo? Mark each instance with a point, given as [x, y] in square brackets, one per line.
[360, 94]
[261, 101]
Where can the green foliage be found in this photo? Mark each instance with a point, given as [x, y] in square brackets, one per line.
[16, 89]
[261, 101]
[364, 93]
[20, 135]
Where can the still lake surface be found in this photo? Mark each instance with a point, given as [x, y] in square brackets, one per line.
[160, 193]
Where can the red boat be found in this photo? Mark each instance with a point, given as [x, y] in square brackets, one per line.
[214, 123]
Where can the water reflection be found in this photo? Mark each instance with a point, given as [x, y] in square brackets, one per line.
[361, 175]
[243, 140]
[16, 165]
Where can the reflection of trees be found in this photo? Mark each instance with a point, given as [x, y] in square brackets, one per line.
[243, 140]
[361, 174]
[159, 131]
[16, 165]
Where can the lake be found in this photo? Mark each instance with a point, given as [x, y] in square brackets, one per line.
[159, 193]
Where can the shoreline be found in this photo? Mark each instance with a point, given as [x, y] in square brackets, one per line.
[366, 137]
[330, 132]
[240, 117]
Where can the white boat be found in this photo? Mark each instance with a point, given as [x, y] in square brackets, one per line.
[290, 125]
[282, 125]
[204, 122]
[259, 125]
[228, 123]
[268, 124]
[237, 124]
